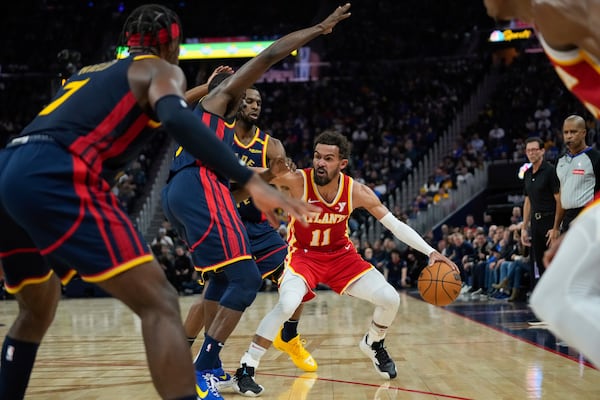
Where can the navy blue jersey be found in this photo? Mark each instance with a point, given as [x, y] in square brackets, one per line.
[254, 154]
[105, 134]
[224, 131]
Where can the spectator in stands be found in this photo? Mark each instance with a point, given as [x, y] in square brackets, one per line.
[496, 135]
[183, 270]
[395, 270]
[476, 264]
[162, 239]
[369, 257]
[461, 251]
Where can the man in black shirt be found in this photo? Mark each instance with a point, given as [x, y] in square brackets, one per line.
[541, 208]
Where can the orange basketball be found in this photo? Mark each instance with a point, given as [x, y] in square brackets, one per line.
[439, 284]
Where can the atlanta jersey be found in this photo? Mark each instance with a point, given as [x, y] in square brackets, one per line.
[327, 231]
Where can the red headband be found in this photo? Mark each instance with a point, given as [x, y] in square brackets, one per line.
[163, 37]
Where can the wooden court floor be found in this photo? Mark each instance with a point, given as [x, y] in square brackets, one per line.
[94, 351]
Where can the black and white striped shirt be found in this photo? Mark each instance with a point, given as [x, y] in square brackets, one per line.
[579, 177]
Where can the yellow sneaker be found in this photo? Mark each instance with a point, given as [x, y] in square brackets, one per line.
[295, 349]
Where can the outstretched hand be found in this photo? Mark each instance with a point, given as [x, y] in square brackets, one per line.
[340, 14]
[221, 69]
[267, 199]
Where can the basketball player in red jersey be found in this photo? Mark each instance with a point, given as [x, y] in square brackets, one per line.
[323, 253]
[57, 208]
[567, 295]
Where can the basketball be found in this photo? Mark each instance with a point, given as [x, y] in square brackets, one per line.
[439, 284]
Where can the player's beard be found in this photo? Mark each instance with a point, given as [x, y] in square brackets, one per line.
[322, 180]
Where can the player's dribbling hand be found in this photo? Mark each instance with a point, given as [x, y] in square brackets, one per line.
[436, 256]
[340, 14]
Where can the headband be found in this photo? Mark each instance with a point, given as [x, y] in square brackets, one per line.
[163, 37]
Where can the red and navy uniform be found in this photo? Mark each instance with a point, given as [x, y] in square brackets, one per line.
[322, 251]
[56, 209]
[268, 247]
[199, 204]
[580, 72]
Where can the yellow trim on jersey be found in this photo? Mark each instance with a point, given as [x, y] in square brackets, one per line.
[119, 269]
[67, 278]
[153, 124]
[144, 57]
[222, 264]
[288, 266]
[350, 205]
[30, 281]
[265, 149]
[227, 124]
[355, 279]
[255, 138]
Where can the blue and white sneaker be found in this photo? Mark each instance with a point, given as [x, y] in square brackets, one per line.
[225, 380]
[206, 386]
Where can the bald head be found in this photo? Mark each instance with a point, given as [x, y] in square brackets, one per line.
[574, 133]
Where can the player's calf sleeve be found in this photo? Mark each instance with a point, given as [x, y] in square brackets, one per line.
[15, 367]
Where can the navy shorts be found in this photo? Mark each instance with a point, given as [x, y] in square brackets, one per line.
[59, 216]
[201, 208]
[268, 247]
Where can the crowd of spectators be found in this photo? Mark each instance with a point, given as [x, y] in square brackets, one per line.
[392, 97]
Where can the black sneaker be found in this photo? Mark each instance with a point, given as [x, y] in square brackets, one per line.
[244, 384]
[381, 359]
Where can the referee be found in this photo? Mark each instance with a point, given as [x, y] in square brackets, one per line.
[578, 170]
[541, 208]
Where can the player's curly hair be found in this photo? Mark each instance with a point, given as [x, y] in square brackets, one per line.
[334, 138]
[149, 26]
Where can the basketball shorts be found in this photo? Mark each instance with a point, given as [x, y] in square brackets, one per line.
[268, 247]
[59, 216]
[336, 269]
[201, 208]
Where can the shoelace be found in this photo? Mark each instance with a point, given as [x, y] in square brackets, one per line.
[212, 381]
[381, 355]
[298, 348]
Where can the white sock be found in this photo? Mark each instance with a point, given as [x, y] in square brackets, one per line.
[375, 334]
[253, 355]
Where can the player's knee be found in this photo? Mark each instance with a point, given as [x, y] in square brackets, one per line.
[387, 297]
[240, 294]
[288, 303]
[238, 298]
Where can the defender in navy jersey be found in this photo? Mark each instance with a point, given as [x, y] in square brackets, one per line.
[257, 149]
[58, 215]
[235, 281]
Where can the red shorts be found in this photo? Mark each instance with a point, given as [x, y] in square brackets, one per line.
[337, 269]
